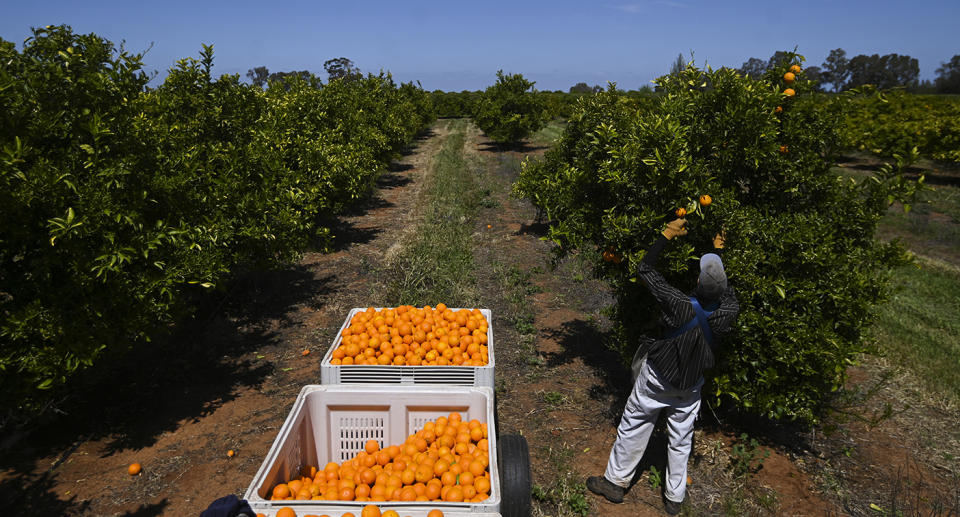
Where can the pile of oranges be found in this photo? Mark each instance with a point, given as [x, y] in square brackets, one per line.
[368, 511]
[447, 460]
[407, 335]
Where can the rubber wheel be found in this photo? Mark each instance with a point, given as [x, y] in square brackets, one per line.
[513, 460]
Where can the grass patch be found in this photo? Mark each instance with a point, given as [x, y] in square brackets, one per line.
[931, 227]
[566, 494]
[515, 286]
[435, 263]
[550, 133]
[919, 326]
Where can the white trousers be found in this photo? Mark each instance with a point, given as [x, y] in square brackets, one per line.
[649, 396]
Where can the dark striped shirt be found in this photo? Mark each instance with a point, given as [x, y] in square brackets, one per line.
[681, 360]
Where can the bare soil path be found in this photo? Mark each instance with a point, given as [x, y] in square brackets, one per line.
[228, 380]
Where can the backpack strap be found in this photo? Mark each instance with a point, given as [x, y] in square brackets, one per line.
[700, 318]
[702, 321]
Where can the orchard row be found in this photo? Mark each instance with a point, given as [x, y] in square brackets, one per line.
[120, 203]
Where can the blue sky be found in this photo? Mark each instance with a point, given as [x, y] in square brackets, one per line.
[460, 45]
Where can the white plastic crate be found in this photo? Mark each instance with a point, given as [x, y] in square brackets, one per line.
[337, 511]
[332, 423]
[390, 374]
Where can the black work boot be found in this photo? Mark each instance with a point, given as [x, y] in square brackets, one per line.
[669, 506]
[600, 486]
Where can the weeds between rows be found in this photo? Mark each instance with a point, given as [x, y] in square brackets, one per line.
[435, 260]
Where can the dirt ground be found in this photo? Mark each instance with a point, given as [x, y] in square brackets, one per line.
[228, 379]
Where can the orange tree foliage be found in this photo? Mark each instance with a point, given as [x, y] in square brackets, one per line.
[120, 203]
[801, 251]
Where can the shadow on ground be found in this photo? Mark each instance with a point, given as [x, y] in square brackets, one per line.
[520, 147]
[582, 339]
[129, 401]
[944, 175]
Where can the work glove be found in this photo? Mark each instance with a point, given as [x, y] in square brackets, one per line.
[719, 240]
[675, 228]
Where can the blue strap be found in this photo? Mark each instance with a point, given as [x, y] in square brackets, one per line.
[700, 318]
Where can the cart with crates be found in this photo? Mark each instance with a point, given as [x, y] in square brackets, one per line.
[356, 403]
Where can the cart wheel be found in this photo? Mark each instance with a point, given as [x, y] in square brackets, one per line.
[513, 459]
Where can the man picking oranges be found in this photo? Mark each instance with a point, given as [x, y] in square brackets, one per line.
[672, 375]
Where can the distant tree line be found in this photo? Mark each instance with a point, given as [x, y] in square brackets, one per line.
[337, 68]
[887, 71]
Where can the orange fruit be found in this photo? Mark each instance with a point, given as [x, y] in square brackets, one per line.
[476, 468]
[295, 486]
[370, 510]
[681, 212]
[286, 511]
[134, 469]
[367, 476]
[789, 77]
[784, 149]
[281, 491]
[705, 200]
[482, 485]
[454, 495]
[796, 69]
[305, 352]
[779, 109]
[448, 478]
[408, 494]
[362, 490]
[230, 453]
[435, 513]
[789, 92]
[391, 513]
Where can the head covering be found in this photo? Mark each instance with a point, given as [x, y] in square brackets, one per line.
[713, 279]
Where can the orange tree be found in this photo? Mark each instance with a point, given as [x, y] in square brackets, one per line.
[801, 251]
[511, 109]
[894, 122]
[121, 204]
